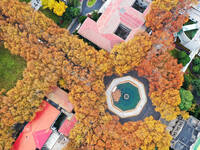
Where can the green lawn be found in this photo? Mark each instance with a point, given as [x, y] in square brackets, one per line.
[190, 33]
[48, 13]
[11, 68]
[90, 3]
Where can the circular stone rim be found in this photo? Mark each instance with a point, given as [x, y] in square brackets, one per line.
[129, 113]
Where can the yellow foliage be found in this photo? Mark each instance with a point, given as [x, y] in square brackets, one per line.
[167, 104]
[128, 55]
[165, 4]
[57, 7]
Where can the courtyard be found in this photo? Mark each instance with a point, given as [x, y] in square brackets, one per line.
[133, 102]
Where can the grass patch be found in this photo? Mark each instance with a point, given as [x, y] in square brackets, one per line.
[90, 3]
[11, 68]
[190, 34]
[27, 1]
[48, 13]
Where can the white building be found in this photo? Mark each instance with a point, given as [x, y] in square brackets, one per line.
[185, 133]
[190, 34]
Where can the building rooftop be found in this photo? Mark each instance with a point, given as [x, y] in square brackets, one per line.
[187, 133]
[119, 22]
[50, 127]
[37, 131]
[67, 125]
[60, 97]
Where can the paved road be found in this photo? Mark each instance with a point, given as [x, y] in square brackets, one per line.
[85, 10]
[148, 110]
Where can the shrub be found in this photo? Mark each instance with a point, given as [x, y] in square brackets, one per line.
[95, 15]
[184, 60]
[74, 3]
[74, 12]
[196, 61]
[81, 19]
[196, 69]
[196, 86]
[187, 81]
[182, 56]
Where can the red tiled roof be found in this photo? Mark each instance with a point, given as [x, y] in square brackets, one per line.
[67, 126]
[29, 138]
[60, 97]
[102, 32]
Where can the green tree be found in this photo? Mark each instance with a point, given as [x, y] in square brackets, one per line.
[74, 3]
[186, 99]
[196, 61]
[182, 56]
[196, 65]
[196, 86]
[196, 69]
[74, 12]
[187, 81]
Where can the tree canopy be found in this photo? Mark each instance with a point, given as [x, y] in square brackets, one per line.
[186, 99]
[54, 56]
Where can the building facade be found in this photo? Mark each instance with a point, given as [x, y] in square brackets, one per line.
[185, 133]
[119, 22]
[49, 129]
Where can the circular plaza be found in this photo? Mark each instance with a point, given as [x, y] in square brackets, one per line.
[126, 96]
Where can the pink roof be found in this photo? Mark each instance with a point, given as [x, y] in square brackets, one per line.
[60, 97]
[30, 138]
[102, 32]
[41, 137]
[67, 126]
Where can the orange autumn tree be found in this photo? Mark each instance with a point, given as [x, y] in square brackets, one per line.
[54, 57]
[162, 71]
[159, 67]
[167, 104]
[146, 134]
[128, 55]
[165, 14]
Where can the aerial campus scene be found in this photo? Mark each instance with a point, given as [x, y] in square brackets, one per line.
[99, 74]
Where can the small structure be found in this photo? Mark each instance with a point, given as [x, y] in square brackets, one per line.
[185, 133]
[119, 21]
[60, 97]
[50, 127]
[132, 98]
[36, 4]
[116, 95]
